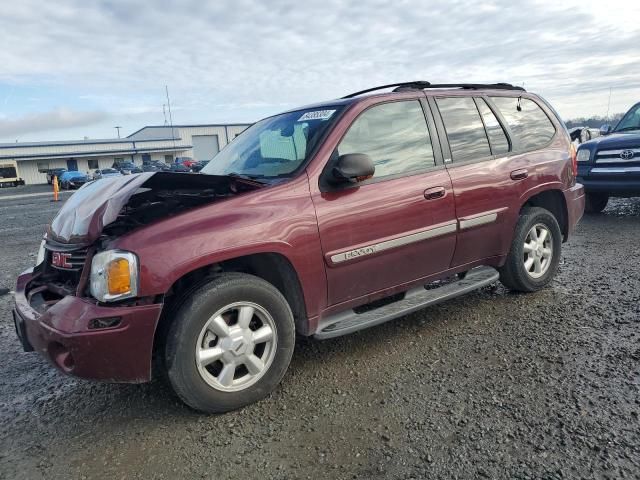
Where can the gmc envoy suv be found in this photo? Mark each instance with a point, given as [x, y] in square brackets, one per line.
[320, 221]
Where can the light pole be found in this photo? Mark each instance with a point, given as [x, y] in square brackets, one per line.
[118, 129]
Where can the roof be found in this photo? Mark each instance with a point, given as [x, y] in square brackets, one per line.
[164, 128]
[436, 89]
[161, 133]
[63, 143]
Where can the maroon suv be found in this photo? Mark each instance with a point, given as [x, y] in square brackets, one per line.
[319, 221]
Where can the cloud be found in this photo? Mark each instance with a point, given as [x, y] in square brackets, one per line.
[58, 119]
[226, 61]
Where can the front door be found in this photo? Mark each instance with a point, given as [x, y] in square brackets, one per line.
[396, 227]
[72, 165]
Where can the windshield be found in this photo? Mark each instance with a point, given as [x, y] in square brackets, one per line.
[274, 147]
[631, 120]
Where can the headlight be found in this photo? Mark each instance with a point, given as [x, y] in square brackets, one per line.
[114, 275]
[584, 155]
[41, 252]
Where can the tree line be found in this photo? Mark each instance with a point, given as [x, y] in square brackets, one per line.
[594, 121]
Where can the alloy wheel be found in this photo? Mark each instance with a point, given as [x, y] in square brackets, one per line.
[236, 346]
[538, 251]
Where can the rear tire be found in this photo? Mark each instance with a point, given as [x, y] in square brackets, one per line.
[595, 202]
[230, 343]
[535, 251]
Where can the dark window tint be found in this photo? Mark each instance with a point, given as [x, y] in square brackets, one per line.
[394, 135]
[465, 130]
[497, 137]
[531, 127]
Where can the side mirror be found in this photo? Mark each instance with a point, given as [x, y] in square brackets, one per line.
[605, 129]
[353, 167]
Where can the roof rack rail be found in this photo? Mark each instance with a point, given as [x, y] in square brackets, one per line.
[421, 85]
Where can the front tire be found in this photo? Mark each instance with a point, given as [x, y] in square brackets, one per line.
[230, 343]
[595, 202]
[535, 251]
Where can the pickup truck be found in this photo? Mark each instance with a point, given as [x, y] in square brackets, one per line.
[609, 166]
[320, 221]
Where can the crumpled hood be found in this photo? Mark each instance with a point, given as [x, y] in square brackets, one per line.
[97, 204]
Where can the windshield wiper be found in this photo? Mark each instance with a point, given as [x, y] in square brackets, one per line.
[253, 178]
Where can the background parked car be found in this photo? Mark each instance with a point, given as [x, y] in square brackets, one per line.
[127, 168]
[197, 166]
[54, 172]
[106, 173]
[583, 134]
[178, 167]
[73, 179]
[186, 161]
[155, 166]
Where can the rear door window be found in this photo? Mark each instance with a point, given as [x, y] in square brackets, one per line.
[497, 137]
[530, 126]
[394, 135]
[465, 131]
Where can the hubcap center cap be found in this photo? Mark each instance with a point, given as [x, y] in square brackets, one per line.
[236, 343]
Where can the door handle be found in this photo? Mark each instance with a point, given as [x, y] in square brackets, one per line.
[434, 193]
[520, 174]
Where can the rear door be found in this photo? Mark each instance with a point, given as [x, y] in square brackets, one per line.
[398, 226]
[485, 180]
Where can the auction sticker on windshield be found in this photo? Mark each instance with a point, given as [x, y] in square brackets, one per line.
[317, 115]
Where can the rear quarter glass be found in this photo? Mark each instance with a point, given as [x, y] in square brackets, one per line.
[530, 125]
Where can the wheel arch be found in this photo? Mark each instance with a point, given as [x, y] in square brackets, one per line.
[553, 200]
[272, 267]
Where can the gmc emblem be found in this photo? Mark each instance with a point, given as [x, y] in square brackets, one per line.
[61, 260]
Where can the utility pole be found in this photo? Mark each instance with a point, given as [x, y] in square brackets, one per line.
[118, 129]
[173, 135]
[608, 104]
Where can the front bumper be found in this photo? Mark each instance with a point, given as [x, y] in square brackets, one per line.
[616, 187]
[62, 334]
[574, 198]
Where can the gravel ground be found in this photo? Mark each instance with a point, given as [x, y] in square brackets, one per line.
[494, 385]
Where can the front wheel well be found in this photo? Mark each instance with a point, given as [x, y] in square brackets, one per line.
[554, 202]
[271, 267]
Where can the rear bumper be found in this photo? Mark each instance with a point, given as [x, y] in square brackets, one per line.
[62, 334]
[574, 198]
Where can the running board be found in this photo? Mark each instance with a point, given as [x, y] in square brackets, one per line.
[349, 321]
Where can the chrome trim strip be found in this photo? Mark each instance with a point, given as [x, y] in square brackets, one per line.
[476, 221]
[616, 170]
[618, 160]
[616, 152]
[394, 243]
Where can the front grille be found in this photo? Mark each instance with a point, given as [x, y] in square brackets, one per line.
[76, 259]
[619, 155]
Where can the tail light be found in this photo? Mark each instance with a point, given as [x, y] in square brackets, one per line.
[574, 161]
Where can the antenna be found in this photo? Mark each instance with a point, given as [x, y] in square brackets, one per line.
[173, 135]
[164, 113]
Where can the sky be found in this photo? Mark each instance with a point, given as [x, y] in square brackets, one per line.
[71, 69]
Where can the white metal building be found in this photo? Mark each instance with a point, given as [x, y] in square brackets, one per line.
[164, 143]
